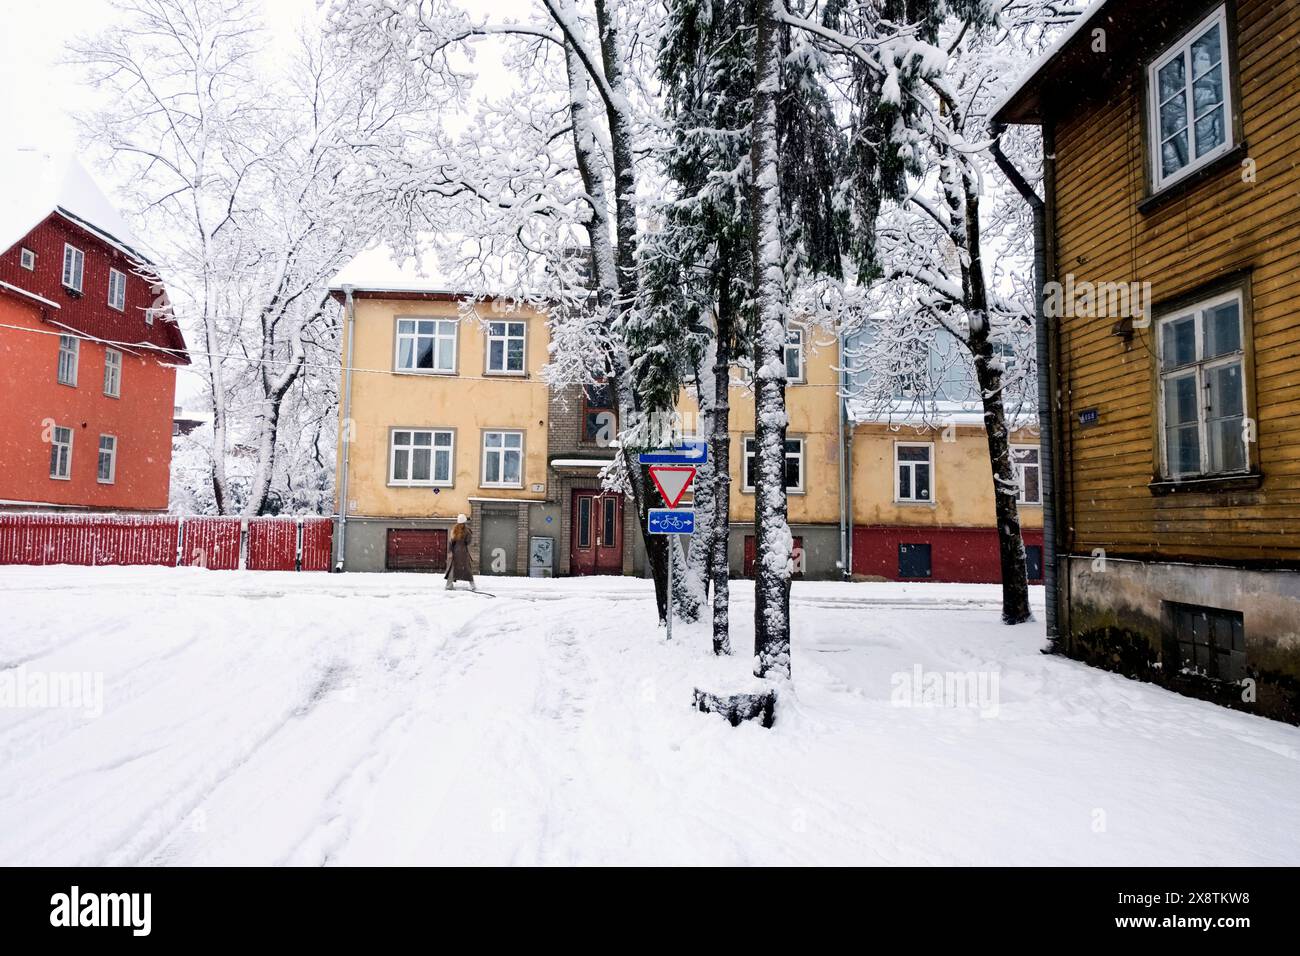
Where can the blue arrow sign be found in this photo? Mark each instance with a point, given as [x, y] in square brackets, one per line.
[692, 451]
[672, 521]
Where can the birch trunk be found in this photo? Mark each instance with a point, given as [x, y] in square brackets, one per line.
[773, 542]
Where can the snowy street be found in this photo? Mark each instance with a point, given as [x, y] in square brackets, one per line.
[266, 718]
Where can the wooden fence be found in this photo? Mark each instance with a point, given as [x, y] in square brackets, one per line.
[217, 543]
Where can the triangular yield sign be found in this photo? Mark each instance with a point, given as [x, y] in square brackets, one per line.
[672, 481]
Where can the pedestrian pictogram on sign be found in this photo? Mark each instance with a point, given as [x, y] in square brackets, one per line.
[672, 481]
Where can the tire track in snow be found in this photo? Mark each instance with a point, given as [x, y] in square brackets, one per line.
[329, 835]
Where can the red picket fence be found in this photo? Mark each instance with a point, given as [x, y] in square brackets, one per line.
[211, 543]
[216, 543]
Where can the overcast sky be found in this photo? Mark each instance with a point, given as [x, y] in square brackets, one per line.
[42, 94]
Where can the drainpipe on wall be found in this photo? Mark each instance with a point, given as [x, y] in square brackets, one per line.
[350, 317]
[1046, 414]
[846, 507]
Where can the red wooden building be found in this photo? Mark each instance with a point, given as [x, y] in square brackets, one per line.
[88, 348]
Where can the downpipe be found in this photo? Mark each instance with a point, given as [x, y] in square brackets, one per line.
[350, 314]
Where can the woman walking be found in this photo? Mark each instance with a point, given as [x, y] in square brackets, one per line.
[458, 567]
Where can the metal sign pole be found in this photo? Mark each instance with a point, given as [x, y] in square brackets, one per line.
[670, 541]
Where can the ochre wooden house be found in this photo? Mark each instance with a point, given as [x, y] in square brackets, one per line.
[1170, 131]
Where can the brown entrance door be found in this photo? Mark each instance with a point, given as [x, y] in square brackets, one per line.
[596, 538]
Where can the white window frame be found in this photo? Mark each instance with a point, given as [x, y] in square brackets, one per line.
[117, 284]
[1020, 467]
[64, 474]
[488, 452]
[74, 267]
[27, 259]
[432, 481]
[440, 322]
[911, 465]
[1197, 311]
[799, 347]
[69, 360]
[112, 461]
[505, 341]
[747, 478]
[1182, 48]
[112, 373]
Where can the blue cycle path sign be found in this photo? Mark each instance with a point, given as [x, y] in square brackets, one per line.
[672, 521]
[693, 451]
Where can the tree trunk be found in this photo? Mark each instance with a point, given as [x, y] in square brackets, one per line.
[773, 542]
[720, 450]
[699, 553]
[623, 159]
[1011, 545]
[988, 375]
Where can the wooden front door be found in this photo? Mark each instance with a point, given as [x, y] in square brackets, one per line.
[596, 537]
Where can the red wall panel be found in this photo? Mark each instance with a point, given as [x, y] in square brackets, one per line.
[958, 555]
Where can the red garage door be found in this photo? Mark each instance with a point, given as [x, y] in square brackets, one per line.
[417, 549]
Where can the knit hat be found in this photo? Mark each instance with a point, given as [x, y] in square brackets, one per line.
[461, 519]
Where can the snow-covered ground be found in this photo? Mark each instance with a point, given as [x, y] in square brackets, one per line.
[258, 718]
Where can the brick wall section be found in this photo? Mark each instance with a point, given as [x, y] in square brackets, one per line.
[563, 430]
[476, 531]
[521, 540]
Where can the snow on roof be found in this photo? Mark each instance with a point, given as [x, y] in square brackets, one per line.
[378, 270]
[435, 269]
[1039, 66]
[581, 462]
[30, 295]
[37, 183]
[908, 413]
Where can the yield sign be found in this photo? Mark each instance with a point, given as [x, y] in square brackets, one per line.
[672, 481]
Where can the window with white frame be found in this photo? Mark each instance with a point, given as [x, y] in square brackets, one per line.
[1203, 389]
[61, 453]
[505, 347]
[426, 345]
[1024, 458]
[794, 356]
[117, 290]
[27, 259]
[69, 350]
[913, 471]
[74, 267]
[420, 456]
[503, 459]
[112, 373]
[107, 470]
[1189, 89]
[794, 464]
